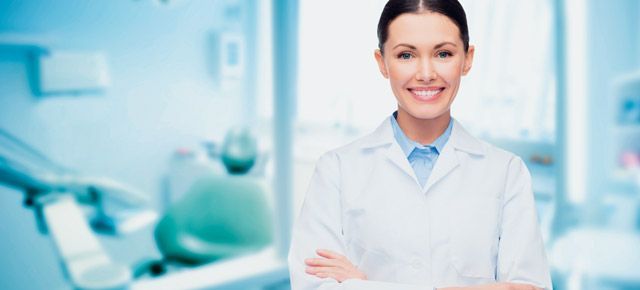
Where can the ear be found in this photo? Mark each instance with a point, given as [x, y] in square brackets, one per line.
[381, 65]
[468, 60]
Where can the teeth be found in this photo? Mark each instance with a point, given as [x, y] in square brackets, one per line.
[424, 93]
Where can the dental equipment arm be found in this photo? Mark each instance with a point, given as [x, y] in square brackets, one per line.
[18, 177]
[85, 261]
[54, 193]
[119, 209]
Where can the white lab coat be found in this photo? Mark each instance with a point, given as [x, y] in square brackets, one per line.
[474, 222]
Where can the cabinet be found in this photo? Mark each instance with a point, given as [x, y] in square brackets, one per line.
[626, 132]
[624, 198]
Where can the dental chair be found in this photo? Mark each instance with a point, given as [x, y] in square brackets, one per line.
[219, 234]
[219, 217]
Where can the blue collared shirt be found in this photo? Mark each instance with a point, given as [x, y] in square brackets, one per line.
[421, 157]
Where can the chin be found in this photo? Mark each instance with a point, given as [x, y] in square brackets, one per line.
[430, 116]
[427, 112]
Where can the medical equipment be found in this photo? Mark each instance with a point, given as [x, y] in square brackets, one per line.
[221, 231]
[238, 154]
[200, 228]
[239, 151]
[55, 194]
[219, 217]
[212, 213]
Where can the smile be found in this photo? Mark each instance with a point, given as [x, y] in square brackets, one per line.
[426, 94]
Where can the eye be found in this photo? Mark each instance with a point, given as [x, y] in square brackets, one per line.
[405, 55]
[444, 54]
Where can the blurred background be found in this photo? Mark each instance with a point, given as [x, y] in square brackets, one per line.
[126, 127]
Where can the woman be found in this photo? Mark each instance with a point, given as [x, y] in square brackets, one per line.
[419, 203]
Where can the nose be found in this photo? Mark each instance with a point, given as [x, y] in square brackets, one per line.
[426, 72]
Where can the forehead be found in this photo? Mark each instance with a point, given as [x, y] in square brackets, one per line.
[427, 28]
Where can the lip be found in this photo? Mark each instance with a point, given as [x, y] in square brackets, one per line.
[426, 94]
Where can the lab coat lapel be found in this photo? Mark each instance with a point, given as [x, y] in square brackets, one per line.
[396, 156]
[383, 136]
[460, 142]
[447, 162]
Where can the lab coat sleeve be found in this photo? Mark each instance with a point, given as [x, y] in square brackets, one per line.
[319, 226]
[521, 253]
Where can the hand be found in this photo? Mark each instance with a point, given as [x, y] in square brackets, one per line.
[333, 265]
[496, 286]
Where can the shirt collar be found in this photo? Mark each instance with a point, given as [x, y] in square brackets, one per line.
[460, 139]
[409, 145]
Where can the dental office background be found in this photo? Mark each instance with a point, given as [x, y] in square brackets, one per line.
[144, 92]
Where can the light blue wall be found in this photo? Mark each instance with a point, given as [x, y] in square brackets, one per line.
[613, 29]
[162, 96]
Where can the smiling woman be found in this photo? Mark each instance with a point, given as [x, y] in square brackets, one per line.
[419, 203]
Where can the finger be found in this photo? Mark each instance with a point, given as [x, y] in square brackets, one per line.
[323, 262]
[519, 286]
[340, 277]
[316, 270]
[330, 254]
[335, 273]
[509, 285]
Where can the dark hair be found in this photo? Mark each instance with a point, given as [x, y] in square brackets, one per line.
[449, 8]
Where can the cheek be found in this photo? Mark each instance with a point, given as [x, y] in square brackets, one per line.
[401, 73]
[450, 72]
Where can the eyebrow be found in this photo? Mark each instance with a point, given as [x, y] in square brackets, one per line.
[439, 45]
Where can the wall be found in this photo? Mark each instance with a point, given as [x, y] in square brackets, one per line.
[612, 50]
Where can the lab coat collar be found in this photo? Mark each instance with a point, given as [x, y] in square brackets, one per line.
[460, 139]
[448, 160]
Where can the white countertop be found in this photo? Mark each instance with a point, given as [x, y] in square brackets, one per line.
[218, 274]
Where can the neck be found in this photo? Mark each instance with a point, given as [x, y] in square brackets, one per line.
[423, 131]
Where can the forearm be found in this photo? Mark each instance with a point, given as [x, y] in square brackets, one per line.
[495, 286]
[356, 284]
